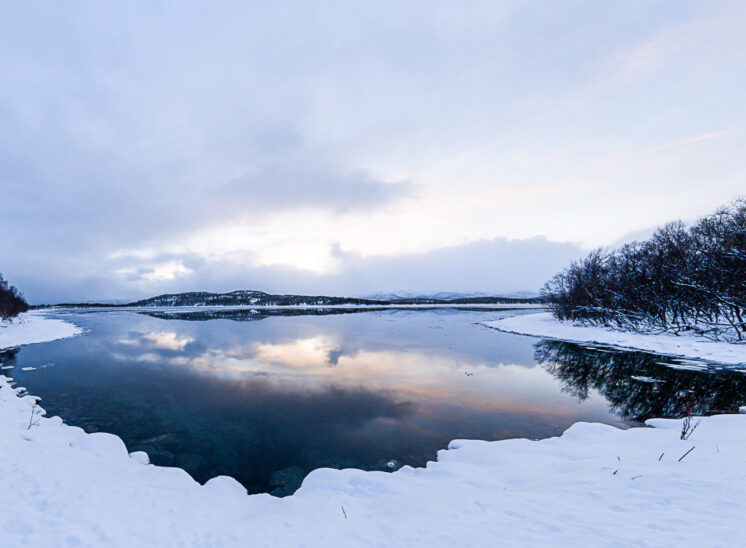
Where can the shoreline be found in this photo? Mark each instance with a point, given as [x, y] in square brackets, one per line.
[68, 486]
[476, 306]
[86, 488]
[35, 327]
[688, 347]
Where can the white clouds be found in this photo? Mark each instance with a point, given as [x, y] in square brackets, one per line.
[145, 143]
[159, 271]
[305, 182]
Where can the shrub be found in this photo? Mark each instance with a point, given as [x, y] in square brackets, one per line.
[11, 300]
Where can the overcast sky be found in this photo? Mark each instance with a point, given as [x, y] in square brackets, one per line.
[355, 147]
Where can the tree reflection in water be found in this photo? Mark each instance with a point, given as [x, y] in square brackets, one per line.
[8, 360]
[658, 390]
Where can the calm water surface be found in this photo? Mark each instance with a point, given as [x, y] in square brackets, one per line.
[266, 399]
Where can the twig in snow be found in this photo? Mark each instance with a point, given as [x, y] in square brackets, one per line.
[687, 429]
[615, 471]
[343, 511]
[31, 421]
[635, 477]
[685, 454]
[659, 458]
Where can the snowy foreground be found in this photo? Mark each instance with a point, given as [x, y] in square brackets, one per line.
[544, 325]
[593, 486]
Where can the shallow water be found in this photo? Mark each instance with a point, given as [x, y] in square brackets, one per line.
[268, 398]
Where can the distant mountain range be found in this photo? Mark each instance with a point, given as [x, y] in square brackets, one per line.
[260, 298]
[446, 296]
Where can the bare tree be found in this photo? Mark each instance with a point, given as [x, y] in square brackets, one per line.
[681, 279]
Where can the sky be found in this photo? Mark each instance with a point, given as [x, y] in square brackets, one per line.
[352, 148]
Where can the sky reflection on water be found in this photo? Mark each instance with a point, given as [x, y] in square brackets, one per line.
[268, 400]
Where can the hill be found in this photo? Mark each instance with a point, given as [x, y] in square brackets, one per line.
[260, 298]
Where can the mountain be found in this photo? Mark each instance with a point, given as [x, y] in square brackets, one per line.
[446, 296]
[260, 298]
[245, 298]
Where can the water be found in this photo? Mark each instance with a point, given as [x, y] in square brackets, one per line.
[268, 398]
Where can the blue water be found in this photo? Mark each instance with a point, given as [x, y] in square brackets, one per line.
[266, 399]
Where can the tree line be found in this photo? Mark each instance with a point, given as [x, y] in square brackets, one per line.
[684, 278]
[11, 300]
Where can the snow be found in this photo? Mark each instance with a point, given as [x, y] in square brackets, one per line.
[593, 486]
[642, 378]
[544, 325]
[34, 327]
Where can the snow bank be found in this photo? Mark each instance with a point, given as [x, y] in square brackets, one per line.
[594, 486]
[686, 346]
[34, 327]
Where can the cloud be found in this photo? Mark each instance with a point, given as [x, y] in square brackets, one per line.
[136, 159]
[498, 266]
[282, 174]
[307, 186]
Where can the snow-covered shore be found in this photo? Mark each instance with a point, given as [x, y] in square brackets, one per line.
[544, 325]
[34, 327]
[593, 486]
